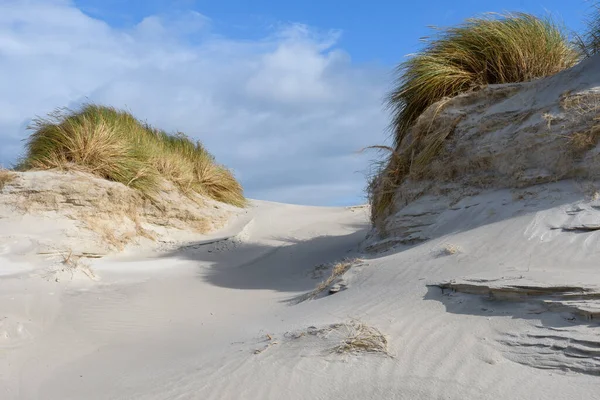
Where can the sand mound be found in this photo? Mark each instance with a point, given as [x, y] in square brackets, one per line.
[503, 136]
[78, 214]
[501, 205]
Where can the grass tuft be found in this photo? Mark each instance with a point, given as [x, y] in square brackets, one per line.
[493, 49]
[449, 250]
[362, 338]
[348, 338]
[114, 145]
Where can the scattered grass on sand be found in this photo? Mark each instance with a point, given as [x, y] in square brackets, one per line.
[493, 49]
[582, 106]
[114, 145]
[70, 264]
[337, 270]
[6, 176]
[586, 140]
[270, 342]
[352, 337]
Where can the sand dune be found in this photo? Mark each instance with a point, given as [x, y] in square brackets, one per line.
[481, 282]
[212, 318]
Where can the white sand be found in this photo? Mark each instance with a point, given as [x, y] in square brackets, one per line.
[186, 323]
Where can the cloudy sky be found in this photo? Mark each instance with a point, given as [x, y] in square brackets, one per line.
[284, 93]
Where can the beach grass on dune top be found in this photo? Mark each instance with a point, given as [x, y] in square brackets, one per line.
[114, 145]
[589, 41]
[493, 49]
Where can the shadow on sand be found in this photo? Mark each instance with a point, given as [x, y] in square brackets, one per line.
[284, 266]
[432, 217]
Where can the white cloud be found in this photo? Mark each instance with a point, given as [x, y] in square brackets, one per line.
[287, 112]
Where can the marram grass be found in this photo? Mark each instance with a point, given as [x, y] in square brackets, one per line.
[589, 42]
[493, 49]
[114, 145]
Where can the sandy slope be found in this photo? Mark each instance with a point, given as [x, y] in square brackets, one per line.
[186, 322]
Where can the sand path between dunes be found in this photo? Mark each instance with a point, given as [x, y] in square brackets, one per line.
[216, 319]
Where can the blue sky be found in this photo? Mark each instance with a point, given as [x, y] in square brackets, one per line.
[373, 31]
[285, 93]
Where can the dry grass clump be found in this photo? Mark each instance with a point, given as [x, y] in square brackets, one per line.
[582, 106]
[6, 176]
[586, 140]
[337, 270]
[114, 145]
[361, 338]
[490, 50]
[580, 103]
[450, 249]
[352, 337]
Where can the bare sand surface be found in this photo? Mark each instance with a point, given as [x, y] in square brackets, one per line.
[458, 316]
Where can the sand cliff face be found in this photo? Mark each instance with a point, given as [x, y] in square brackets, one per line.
[513, 136]
[87, 215]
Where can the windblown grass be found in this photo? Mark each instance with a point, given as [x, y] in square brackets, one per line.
[114, 145]
[589, 42]
[429, 134]
[493, 49]
[490, 50]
